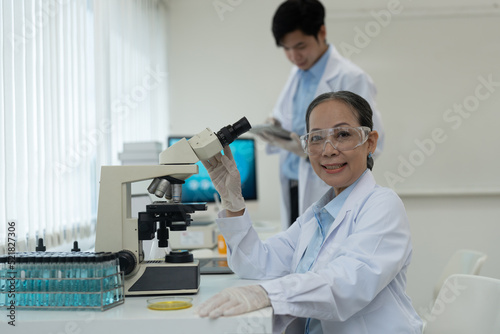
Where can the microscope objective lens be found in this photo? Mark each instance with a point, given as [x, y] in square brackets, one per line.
[154, 184]
[162, 188]
[176, 193]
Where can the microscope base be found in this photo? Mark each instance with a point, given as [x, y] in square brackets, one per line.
[162, 278]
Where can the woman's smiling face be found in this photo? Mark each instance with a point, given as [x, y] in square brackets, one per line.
[339, 169]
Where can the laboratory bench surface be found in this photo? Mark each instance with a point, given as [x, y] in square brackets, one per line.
[133, 316]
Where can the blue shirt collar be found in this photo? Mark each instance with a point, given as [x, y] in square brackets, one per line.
[332, 203]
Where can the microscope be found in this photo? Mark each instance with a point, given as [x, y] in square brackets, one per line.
[117, 231]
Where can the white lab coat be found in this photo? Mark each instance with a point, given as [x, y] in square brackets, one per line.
[357, 283]
[340, 74]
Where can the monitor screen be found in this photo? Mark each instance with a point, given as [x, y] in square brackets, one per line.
[199, 187]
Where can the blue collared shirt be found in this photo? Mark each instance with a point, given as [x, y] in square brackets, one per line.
[305, 93]
[325, 216]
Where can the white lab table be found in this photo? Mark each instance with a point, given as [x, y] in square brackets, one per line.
[133, 316]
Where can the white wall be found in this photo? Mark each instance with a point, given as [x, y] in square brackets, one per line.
[224, 65]
[221, 70]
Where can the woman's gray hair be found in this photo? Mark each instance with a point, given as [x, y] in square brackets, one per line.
[358, 105]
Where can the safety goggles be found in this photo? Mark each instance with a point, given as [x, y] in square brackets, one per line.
[341, 138]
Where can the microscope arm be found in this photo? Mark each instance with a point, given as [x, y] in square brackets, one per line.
[116, 230]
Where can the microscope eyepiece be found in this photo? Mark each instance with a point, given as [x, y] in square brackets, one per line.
[229, 133]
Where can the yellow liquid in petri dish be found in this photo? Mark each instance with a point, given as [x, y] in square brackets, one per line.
[169, 305]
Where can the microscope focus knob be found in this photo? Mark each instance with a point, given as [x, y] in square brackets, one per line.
[127, 261]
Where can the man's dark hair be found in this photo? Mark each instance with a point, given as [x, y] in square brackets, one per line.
[305, 15]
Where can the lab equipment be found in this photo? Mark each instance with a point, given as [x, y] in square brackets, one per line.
[117, 231]
[341, 138]
[199, 187]
[201, 234]
[221, 244]
[272, 129]
[215, 265]
[169, 303]
[61, 280]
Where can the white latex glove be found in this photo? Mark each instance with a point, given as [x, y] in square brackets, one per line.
[234, 301]
[226, 179]
[293, 145]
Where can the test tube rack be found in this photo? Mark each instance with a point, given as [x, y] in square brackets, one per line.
[61, 281]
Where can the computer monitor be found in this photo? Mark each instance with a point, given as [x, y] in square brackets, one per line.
[199, 187]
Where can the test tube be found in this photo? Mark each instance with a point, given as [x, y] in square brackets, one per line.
[22, 270]
[30, 263]
[13, 274]
[36, 281]
[98, 287]
[3, 281]
[104, 258]
[52, 282]
[118, 282]
[111, 271]
[59, 284]
[45, 271]
[93, 281]
[77, 283]
[111, 278]
[68, 281]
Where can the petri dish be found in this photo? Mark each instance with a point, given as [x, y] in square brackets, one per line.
[169, 303]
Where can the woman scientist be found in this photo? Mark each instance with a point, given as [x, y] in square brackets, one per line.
[341, 267]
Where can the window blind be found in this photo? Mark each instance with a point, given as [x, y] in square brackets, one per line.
[78, 79]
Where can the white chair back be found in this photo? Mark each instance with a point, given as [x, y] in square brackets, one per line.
[466, 304]
[464, 261]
